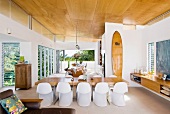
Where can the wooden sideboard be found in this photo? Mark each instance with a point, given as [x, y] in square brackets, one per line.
[23, 76]
[151, 82]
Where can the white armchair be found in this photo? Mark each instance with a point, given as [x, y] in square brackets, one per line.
[84, 94]
[65, 94]
[45, 92]
[117, 95]
[100, 94]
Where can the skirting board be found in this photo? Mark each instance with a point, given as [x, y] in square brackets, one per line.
[158, 94]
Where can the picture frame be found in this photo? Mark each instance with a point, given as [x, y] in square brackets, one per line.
[164, 77]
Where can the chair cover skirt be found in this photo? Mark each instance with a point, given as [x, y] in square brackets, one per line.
[47, 99]
[65, 99]
[45, 92]
[84, 99]
[118, 99]
[100, 99]
[84, 94]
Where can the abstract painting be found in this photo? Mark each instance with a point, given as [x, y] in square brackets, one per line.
[163, 57]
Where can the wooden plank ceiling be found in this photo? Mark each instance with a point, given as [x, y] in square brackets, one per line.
[62, 16]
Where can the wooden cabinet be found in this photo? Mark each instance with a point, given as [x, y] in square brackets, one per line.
[23, 76]
[151, 85]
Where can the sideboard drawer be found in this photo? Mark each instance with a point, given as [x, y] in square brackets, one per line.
[150, 84]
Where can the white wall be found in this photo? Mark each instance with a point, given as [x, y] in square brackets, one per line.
[96, 57]
[71, 45]
[157, 32]
[21, 32]
[30, 52]
[25, 50]
[134, 45]
[29, 42]
[0, 64]
[132, 55]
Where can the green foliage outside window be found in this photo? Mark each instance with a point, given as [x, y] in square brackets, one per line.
[11, 55]
[85, 55]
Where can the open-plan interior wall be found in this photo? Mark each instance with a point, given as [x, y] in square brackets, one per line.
[29, 42]
[154, 33]
[0, 64]
[132, 56]
[135, 45]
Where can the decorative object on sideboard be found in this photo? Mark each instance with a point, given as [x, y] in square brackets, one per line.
[165, 90]
[160, 75]
[26, 62]
[164, 77]
[21, 60]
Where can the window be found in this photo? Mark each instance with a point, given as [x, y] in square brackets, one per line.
[45, 62]
[68, 57]
[10, 57]
[151, 57]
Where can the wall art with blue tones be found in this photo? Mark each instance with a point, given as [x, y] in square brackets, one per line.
[163, 57]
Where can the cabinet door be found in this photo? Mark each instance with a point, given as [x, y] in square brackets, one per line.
[28, 76]
[150, 84]
[20, 76]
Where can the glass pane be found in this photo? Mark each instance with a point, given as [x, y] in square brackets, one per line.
[47, 62]
[52, 61]
[45, 32]
[19, 15]
[5, 7]
[11, 54]
[42, 62]
[51, 36]
[36, 26]
[151, 58]
[39, 70]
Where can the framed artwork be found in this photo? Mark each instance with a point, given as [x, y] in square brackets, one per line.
[163, 57]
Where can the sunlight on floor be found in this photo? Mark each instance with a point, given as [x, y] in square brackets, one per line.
[126, 98]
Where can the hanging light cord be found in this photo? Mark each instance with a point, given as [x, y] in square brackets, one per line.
[77, 46]
[76, 33]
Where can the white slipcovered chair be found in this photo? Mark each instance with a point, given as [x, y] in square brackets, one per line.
[68, 76]
[65, 94]
[84, 94]
[117, 95]
[100, 94]
[112, 76]
[45, 92]
[81, 77]
[97, 76]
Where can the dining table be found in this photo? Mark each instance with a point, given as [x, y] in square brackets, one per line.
[73, 81]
